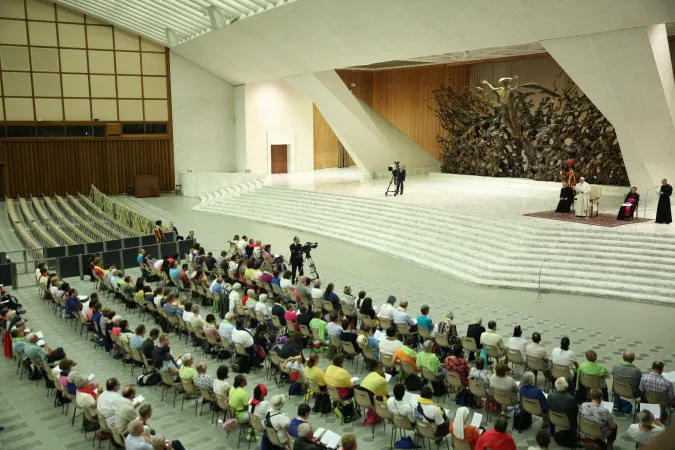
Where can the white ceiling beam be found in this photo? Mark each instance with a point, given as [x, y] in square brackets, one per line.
[234, 5]
[198, 22]
[171, 39]
[162, 18]
[250, 5]
[261, 3]
[233, 12]
[181, 7]
[119, 19]
[217, 21]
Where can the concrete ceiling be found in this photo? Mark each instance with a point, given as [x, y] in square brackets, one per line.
[313, 35]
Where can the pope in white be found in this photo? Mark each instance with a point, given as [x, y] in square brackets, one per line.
[582, 189]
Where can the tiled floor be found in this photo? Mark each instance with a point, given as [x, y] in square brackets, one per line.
[608, 326]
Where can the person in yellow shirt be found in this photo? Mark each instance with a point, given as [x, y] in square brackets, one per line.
[336, 376]
[315, 373]
[376, 386]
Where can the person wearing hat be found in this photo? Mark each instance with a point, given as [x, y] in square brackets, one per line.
[258, 406]
[160, 237]
[277, 421]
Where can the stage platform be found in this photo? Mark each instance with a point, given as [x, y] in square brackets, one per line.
[505, 198]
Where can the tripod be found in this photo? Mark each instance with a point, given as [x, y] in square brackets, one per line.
[312, 267]
[394, 175]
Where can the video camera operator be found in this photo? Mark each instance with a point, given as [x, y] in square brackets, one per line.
[296, 258]
[400, 179]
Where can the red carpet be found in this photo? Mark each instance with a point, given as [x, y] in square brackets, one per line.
[602, 220]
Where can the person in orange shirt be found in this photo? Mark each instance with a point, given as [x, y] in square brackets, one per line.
[462, 430]
[406, 353]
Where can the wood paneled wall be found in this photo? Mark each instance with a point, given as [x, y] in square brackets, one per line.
[402, 96]
[57, 166]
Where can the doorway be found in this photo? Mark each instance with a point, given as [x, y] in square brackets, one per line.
[279, 158]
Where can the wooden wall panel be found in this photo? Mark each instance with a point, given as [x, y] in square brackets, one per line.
[37, 167]
[325, 142]
[402, 96]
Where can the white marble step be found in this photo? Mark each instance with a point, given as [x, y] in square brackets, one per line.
[532, 231]
[496, 241]
[459, 268]
[626, 278]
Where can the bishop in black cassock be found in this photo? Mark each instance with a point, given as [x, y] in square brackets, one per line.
[663, 214]
[566, 199]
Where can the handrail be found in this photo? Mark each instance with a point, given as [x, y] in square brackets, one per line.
[99, 212]
[136, 221]
[87, 226]
[102, 225]
[62, 220]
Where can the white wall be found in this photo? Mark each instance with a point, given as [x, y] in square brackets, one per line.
[240, 126]
[202, 107]
[276, 113]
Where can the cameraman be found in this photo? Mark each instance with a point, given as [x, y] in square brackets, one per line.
[296, 257]
[400, 178]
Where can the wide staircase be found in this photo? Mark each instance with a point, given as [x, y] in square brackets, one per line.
[475, 249]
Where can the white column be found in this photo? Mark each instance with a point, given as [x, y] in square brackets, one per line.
[371, 141]
[628, 75]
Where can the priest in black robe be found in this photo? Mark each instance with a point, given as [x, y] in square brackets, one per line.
[566, 199]
[663, 214]
[632, 199]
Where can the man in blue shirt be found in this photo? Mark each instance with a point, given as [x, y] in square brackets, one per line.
[303, 415]
[72, 302]
[138, 338]
[275, 279]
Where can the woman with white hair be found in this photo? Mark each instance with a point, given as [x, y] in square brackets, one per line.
[560, 400]
[647, 428]
[528, 389]
[159, 442]
[461, 429]
[87, 397]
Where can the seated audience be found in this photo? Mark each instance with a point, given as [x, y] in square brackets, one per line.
[258, 406]
[210, 328]
[108, 400]
[543, 440]
[537, 350]
[302, 417]
[654, 383]
[390, 344]
[186, 372]
[401, 316]
[647, 428]
[137, 439]
[220, 385]
[397, 405]
[461, 429]
[428, 411]
[590, 367]
[277, 421]
[427, 359]
[529, 390]
[136, 341]
[316, 374]
[366, 310]
[627, 371]
[497, 438]
[348, 336]
[502, 382]
[161, 443]
[491, 337]
[456, 363]
[376, 386]
[202, 379]
[332, 297]
[387, 310]
[424, 321]
[86, 397]
[564, 356]
[318, 327]
[336, 376]
[306, 439]
[517, 341]
[406, 353]
[226, 327]
[595, 412]
[125, 409]
[149, 343]
[291, 316]
[239, 399]
[562, 401]
[448, 328]
[334, 327]
[475, 331]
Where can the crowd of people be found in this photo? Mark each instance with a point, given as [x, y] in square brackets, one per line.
[266, 313]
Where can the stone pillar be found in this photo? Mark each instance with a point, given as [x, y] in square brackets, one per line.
[371, 140]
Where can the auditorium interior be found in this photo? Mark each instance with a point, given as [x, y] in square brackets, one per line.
[175, 125]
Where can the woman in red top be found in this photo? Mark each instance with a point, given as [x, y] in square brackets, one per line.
[497, 438]
[456, 363]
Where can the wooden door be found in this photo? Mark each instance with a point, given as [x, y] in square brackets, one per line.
[280, 159]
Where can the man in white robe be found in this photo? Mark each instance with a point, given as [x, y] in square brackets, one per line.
[583, 190]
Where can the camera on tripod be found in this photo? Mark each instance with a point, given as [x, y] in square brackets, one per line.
[308, 247]
[394, 168]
